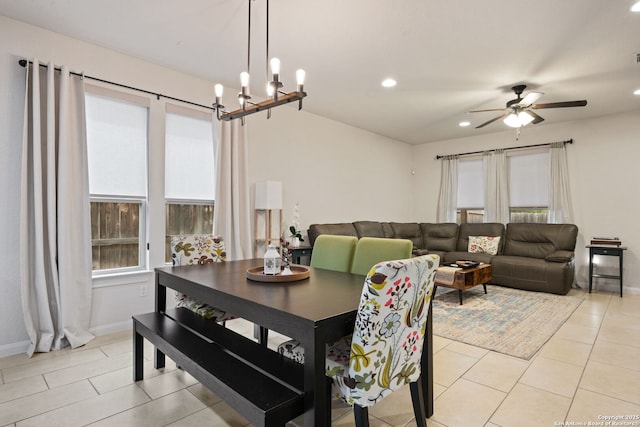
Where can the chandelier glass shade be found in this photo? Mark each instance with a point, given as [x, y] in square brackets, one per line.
[275, 96]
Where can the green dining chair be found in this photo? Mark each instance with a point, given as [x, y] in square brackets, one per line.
[333, 252]
[330, 252]
[372, 250]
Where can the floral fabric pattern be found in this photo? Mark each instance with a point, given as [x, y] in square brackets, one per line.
[198, 250]
[484, 244]
[384, 352]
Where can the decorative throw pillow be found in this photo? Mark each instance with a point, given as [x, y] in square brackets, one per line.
[484, 244]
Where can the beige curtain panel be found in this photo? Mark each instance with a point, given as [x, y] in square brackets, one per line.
[55, 231]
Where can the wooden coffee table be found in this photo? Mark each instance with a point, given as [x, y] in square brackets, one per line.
[462, 279]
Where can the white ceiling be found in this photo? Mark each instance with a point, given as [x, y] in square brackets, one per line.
[448, 56]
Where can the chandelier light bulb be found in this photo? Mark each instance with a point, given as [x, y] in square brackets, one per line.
[219, 89]
[270, 90]
[275, 66]
[300, 75]
[244, 80]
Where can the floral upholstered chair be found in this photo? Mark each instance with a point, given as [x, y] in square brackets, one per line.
[198, 250]
[348, 254]
[385, 350]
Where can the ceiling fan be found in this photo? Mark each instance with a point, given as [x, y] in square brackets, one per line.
[519, 111]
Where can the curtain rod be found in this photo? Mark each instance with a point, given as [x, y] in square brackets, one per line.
[568, 141]
[23, 62]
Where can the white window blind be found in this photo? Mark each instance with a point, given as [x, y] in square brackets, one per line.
[470, 189]
[529, 180]
[189, 158]
[117, 148]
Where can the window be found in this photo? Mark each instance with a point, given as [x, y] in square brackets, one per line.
[117, 154]
[189, 174]
[529, 187]
[470, 191]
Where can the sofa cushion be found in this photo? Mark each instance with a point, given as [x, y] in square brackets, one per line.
[408, 230]
[342, 229]
[439, 237]
[532, 274]
[479, 229]
[484, 244]
[369, 229]
[539, 240]
[387, 230]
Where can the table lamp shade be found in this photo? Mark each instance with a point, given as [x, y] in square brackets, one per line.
[269, 195]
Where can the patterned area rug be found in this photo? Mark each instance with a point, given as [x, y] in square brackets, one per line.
[506, 320]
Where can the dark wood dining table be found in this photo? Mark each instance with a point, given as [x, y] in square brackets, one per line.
[315, 311]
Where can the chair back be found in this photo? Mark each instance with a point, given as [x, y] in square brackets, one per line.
[386, 347]
[372, 250]
[333, 252]
[197, 249]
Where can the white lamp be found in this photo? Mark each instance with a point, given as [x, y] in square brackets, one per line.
[269, 195]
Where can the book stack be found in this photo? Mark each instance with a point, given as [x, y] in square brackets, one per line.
[606, 241]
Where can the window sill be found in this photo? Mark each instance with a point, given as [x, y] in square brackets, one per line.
[119, 279]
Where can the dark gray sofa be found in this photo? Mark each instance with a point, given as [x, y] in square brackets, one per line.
[534, 257]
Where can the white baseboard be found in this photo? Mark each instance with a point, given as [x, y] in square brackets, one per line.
[23, 346]
[111, 328]
[14, 348]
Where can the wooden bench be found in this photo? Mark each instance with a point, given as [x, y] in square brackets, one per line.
[257, 382]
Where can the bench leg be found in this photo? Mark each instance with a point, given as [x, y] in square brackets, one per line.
[158, 359]
[138, 355]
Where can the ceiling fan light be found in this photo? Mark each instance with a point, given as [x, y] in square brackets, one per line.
[512, 121]
[525, 118]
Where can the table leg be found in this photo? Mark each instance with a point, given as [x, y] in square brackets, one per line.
[621, 272]
[161, 307]
[138, 354]
[316, 386]
[484, 285]
[590, 268]
[460, 295]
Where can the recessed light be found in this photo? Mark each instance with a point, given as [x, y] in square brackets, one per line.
[636, 92]
[636, 7]
[388, 83]
[464, 124]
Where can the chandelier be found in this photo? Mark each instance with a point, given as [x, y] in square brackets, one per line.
[275, 96]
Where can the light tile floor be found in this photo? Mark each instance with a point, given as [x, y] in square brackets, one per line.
[588, 370]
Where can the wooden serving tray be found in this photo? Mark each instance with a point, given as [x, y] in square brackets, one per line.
[300, 272]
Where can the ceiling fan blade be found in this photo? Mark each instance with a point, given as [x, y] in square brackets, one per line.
[536, 118]
[581, 103]
[530, 98]
[492, 120]
[484, 111]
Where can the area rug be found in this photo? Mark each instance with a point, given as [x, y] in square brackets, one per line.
[505, 320]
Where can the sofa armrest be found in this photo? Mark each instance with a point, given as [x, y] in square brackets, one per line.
[559, 256]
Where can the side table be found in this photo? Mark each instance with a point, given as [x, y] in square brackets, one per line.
[606, 251]
[299, 252]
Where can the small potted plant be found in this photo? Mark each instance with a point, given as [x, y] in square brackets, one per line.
[296, 236]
